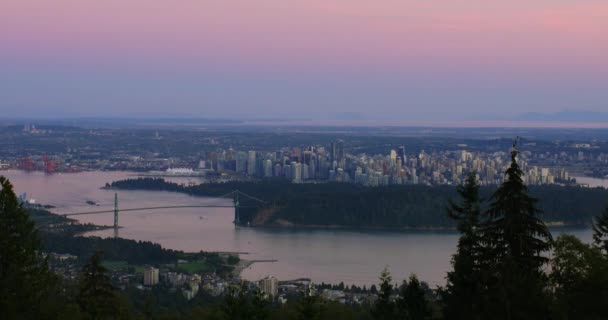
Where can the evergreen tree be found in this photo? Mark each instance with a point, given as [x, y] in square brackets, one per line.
[97, 297]
[462, 293]
[384, 308]
[309, 308]
[515, 239]
[236, 304]
[600, 230]
[412, 303]
[25, 280]
[579, 275]
[259, 306]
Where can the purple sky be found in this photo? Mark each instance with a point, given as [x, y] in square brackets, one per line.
[390, 59]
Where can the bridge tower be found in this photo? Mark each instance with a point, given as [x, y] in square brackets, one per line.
[237, 204]
[115, 211]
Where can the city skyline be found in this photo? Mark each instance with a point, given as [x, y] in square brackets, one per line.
[464, 60]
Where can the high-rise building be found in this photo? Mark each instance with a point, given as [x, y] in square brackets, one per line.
[269, 286]
[341, 157]
[150, 276]
[393, 155]
[401, 154]
[296, 172]
[241, 161]
[267, 168]
[251, 163]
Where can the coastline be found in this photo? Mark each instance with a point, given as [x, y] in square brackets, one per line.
[293, 226]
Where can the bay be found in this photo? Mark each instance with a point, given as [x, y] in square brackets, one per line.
[331, 256]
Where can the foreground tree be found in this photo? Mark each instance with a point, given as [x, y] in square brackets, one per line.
[600, 231]
[384, 308]
[25, 280]
[580, 280]
[97, 297]
[309, 308]
[412, 303]
[515, 240]
[462, 293]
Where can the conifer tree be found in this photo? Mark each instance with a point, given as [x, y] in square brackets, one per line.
[384, 308]
[412, 303]
[309, 308]
[600, 231]
[259, 306]
[25, 280]
[463, 290]
[97, 297]
[514, 240]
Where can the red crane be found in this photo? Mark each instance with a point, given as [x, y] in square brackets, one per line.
[49, 165]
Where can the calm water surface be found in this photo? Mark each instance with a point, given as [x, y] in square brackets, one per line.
[354, 257]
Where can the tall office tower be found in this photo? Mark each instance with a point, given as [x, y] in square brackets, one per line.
[308, 157]
[305, 172]
[312, 170]
[393, 155]
[296, 172]
[267, 168]
[341, 156]
[251, 163]
[401, 154]
[241, 161]
[287, 171]
[333, 152]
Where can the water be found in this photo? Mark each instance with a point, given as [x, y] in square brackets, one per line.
[353, 257]
[592, 182]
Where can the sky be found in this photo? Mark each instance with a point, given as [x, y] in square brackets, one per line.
[308, 59]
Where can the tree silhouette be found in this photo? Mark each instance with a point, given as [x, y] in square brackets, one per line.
[97, 297]
[384, 308]
[514, 240]
[463, 290]
[412, 303]
[25, 280]
[600, 231]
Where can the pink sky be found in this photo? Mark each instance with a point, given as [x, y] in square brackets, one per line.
[540, 48]
[340, 34]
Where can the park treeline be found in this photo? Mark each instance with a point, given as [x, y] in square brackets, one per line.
[356, 206]
[132, 251]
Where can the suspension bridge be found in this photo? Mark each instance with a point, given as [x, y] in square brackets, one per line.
[236, 196]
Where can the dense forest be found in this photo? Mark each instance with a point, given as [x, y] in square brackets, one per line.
[399, 207]
[131, 251]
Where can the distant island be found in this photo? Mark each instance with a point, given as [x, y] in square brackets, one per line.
[342, 205]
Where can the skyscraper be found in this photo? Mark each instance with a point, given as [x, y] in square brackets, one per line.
[337, 153]
[401, 154]
[251, 163]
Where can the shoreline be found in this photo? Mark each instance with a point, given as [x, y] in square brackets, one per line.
[552, 224]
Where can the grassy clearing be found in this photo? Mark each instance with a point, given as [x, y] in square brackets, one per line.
[114, 265]
[194, 267]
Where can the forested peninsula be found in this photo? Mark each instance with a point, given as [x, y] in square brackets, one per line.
[342, 205]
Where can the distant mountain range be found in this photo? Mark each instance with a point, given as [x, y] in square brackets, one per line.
[565, 116]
